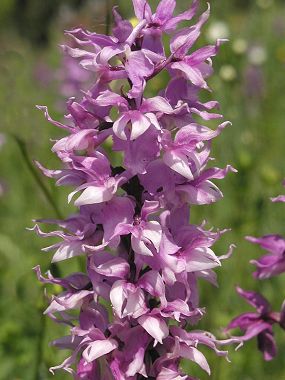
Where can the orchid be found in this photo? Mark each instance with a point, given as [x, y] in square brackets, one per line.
[129, 311]
[72, 78]
[259, 324]
[272, 263]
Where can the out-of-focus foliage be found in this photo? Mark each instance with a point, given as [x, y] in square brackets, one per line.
[249, 82]
[33, 18]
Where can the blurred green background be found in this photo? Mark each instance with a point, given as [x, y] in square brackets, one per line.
[249, 82]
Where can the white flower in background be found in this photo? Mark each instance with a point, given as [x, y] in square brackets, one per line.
[228, 73]
[247, 138]
[257, 55]
[216, 30]
[239, 46]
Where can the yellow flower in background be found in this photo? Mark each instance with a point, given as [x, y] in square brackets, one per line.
[239, 46]
[245, 158]
[134, 21]
[280, 53]
[270, 174]
[228, 73]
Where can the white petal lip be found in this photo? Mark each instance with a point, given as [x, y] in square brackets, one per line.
[196, 356]
[120, 125]
[127, 303]
[109, 98]
[94, 194]
[179, 163]
[213, 191]
[168, 374]
[66, 302]
[140, 125]
[118, 297]
[153, 232]
[99, 348]
[206, 193]
[139, 246]
[202, 259]
[192, 73]
[153, 120]
[152, 283]
[135, 306]
[116, 267]
[79, 140]
[107, 53]
[137, 365]
[67, 251]
[157, 104]
[155, 326]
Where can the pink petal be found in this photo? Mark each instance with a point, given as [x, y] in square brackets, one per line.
[142, 9]
[140, 124]
[118, 296]
[178, 162]
[205, 193]
[165, 10]
[94, 194]
[192, 73]
[118, 267]
[156, 104]
[196, 356]
[99, 348]
[135, 306]
[140, 247]
[152, 283]
[120, 125]
[156, 327]
[201, 259]
[153, 232]
[68, 250]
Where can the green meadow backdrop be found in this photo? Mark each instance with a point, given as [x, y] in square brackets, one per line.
[249, 83]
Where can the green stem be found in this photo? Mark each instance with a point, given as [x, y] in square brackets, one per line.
[108, 16]
[217, 368]
[22, 146]
[55, 269]
[39, 346]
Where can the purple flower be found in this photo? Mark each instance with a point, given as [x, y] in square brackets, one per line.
[140, 118]
[161, 21]
[258, 324]
[254, 82]
[87, 371]
[144, 259]
[272, 263]
[72, 78]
